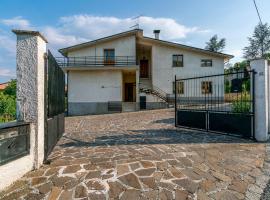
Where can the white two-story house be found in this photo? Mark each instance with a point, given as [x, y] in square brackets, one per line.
[129, 71]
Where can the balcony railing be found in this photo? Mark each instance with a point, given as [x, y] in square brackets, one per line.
[96, 61]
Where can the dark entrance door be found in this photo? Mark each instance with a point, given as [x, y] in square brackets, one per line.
[144, 68]
[129, 92]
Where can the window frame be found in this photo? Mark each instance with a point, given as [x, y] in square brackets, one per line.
[109, 59]
[180, 91]
[208, 90]
[204, 62]
[176, 61]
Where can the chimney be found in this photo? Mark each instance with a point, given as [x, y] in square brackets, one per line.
[156, 32]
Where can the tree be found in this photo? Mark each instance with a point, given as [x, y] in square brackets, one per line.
[11, 88]
[216, 45]
[259, 43]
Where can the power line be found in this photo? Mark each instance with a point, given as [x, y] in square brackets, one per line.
[257, 11]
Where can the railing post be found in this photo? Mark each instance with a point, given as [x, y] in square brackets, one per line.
[175, 102]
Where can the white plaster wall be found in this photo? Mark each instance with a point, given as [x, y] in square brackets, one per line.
[261, 99]
[95, 86]
[125, 46]
[41, 50]
[30, 105]
[163, 73]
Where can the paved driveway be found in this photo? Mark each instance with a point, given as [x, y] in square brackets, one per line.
[142, 156]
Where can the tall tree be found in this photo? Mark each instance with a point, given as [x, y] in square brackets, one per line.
[259, 43]
[215, 44]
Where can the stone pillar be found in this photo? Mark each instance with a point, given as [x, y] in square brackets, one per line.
[31, 50]
[261, 99]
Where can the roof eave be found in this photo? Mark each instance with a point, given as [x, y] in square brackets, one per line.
[64, 51]
[226, 56]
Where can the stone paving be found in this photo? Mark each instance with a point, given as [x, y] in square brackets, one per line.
[142, 156]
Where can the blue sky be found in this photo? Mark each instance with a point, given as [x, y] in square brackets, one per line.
[65, 22]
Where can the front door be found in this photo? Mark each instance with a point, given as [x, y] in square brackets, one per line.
[129, 92]
[144, 69]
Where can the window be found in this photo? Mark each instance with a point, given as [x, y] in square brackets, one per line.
[179, 87]
[109, 56]
[207, 87]
[206, 63]
[178, 61]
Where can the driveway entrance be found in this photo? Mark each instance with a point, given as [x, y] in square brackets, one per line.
[141, 155]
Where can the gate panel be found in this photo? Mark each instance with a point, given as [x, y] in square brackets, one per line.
[222, 103]
[234, 123]
[195, 119]
[55, 103]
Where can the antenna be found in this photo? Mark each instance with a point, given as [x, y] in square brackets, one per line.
[257, 11]
[137, 22]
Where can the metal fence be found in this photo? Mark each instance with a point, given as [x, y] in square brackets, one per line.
[55, 103]
[55, 87]
[219, 103]
[96, 61]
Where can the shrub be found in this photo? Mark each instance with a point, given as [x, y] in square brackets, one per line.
[242, 105]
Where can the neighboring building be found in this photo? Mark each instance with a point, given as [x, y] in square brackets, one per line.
[129, 71]
[3, 86]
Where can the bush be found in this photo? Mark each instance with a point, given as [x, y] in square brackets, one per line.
[242, 105]
[8, 103]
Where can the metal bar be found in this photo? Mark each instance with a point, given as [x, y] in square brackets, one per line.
[175, 102]
[253, 101]
[201, 77]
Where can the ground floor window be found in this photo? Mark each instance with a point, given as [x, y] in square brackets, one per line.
[179, 87]
[206, 87]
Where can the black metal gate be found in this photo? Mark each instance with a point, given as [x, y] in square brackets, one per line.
[54, 102]
[222, 103]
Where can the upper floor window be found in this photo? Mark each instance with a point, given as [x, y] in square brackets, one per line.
[178, 61]
[206, 63]
[109, 56]
[207, 87]
[179, 87]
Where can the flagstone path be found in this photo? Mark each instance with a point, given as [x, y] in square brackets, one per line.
[142, 155]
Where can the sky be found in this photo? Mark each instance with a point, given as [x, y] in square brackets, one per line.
[69, 22]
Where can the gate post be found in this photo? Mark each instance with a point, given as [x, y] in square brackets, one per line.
[31, 48]
[261, 98]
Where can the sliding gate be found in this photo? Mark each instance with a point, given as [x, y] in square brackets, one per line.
[222, 103]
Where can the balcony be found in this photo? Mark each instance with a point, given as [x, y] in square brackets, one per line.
[88, 61]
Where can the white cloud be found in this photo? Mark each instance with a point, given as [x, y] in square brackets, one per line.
[16, 22]
[4, 72]
[58, 38]
[238, 55]
[80, 28]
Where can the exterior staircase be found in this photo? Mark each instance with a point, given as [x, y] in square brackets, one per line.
[155, 91]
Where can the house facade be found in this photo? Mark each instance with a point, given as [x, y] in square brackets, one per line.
[128, 71]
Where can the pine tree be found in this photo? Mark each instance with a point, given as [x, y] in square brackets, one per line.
[259, 43]
[216, 45]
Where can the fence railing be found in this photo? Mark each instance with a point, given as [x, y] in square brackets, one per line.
[231, 92]
[96, 61]
[14, 141]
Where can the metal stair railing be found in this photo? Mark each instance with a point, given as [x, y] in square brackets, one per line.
[154, 90]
